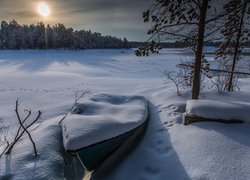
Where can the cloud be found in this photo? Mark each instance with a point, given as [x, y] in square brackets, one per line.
[102, 7]
[121, 17]
[20, 13]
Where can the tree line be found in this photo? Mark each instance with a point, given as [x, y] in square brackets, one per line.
[41, 36]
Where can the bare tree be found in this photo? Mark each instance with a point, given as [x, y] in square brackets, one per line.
[178, 79]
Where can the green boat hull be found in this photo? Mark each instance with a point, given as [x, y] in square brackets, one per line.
[93, 156]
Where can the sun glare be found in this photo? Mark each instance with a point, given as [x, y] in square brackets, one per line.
[43, 9]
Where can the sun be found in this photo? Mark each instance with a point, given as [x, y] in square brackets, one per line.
[43, 9]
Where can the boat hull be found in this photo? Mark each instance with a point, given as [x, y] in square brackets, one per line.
[92, 157]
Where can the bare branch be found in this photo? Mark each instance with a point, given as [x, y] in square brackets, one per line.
[180, 35]
[18, 131]
[219, 16]
[8, 144]
[21, 134]
[215, 30]
[78, 95]
[197, 3]
[24, 128]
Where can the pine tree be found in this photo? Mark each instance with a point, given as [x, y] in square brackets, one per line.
[235, 33]
[185, 20]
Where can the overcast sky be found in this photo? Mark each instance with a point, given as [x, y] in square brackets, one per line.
[121, 18]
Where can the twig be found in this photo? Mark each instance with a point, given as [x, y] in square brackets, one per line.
[8, 144]
[24, 128]
[18, 131]
[21, 130]
[21, 134]
[77, 98]
[177, 78]
[65, 115]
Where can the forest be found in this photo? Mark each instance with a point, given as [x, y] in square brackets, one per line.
[41, 36]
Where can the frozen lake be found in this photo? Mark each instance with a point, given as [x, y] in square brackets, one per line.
[46, 80]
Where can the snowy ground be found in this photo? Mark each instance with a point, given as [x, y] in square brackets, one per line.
[46, 80]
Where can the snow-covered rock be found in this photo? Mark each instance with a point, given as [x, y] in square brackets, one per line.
[219, 110]
[103, 117]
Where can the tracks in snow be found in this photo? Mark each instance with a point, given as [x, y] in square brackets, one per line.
[43, 90]
[174, 113]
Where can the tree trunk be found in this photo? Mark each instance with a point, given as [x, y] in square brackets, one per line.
[236, 50]
[199, 50]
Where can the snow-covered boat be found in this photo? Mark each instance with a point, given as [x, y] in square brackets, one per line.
[104, 126]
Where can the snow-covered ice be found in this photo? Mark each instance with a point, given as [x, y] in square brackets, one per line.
[103, 117]
[46, 80]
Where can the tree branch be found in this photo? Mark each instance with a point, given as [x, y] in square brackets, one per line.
[77, 98]
[21, 134]
[217, 29]
[219, 16]
[24, 128]
[18, 131]
[8, 144]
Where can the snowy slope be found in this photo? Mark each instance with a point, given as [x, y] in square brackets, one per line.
[46, 80]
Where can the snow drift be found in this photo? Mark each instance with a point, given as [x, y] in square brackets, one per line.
[48, 164]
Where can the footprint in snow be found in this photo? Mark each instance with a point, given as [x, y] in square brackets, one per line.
[169, 124]
[160, 147]
[162, 108]
[151, 170]
[180, 107]
[162, 130]
[175, 117]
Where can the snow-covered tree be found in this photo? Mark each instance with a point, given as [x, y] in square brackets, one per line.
[40, 36]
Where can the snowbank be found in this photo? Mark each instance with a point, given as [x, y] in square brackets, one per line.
[219, 110]
[103, 117]
[48, 164]
[213, 150]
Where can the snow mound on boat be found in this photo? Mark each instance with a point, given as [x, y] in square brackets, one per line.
[102, 117]
[219, 110]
